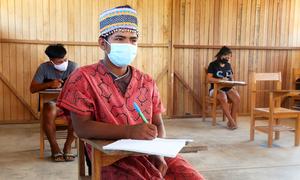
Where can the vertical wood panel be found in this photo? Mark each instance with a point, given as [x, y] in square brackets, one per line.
[1, 66]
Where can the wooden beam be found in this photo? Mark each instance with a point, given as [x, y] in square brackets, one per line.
[15, 121]
[161, 74]
[188, 87]
[15, 92]
[76, 43]
[188, 46]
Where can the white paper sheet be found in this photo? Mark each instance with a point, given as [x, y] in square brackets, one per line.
[158, 146]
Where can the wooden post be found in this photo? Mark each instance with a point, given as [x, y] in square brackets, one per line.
[174, 22]
[252, 105]
[297, 131]
[271, 119]
[214, 105]
[81, 161]
[42, 143]
[96, 164]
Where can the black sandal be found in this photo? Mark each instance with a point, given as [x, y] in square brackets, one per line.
[69, 156]
[58, 157]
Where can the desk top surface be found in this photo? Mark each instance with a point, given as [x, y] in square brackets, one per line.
[279, 91]
[239, 83]
[98, 144]
[50, 91]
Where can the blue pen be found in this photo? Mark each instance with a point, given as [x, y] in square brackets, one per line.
[138, 110]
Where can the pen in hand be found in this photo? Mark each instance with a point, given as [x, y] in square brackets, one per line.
[138, 110]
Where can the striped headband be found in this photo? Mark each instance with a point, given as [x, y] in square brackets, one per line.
[117, 19]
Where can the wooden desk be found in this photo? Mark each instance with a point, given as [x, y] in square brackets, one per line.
[224, 83]
[278, 94]
[285, 93]
[101, 158]
[46, 96]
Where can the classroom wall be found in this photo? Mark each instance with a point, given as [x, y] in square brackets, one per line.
[27, 26]
[178, 38]
[264, 36]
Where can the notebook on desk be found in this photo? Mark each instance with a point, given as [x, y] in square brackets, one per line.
[57, 89]
[157, 146]
[233, 82]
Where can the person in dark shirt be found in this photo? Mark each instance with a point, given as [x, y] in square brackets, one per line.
[52, 75]
[220, 69]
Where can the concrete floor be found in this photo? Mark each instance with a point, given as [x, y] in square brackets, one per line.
[230, 155]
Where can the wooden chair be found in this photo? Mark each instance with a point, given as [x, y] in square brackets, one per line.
[45, 96]
[295, 86]
[210, 101]
[274, 112]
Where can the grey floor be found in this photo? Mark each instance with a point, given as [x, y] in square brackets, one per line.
[230, 155]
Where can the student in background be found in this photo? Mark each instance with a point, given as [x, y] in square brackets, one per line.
[100, 98]
[220, 69]
[52, 75]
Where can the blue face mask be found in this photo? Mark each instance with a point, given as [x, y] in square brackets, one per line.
[122, 54]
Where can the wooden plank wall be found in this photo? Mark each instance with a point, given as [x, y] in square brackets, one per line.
[27, 26]
[178, 39]
[264, 36]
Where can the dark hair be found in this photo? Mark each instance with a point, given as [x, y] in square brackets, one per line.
[125, 6]
[223, 52]
[105, 37]
[55, 51]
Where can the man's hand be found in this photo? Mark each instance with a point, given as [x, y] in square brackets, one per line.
[57, 83]
[142, 131]
[160, 163]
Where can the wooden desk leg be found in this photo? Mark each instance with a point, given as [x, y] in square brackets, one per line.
[96, 164]
[270, 131]
[277, 133]
[297, 131]
[42, 143]
[81, 161]
[213, 114]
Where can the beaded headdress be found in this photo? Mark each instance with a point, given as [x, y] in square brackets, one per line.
[118, 19]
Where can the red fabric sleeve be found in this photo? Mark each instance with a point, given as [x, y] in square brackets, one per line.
[156, 101]
[76, 96]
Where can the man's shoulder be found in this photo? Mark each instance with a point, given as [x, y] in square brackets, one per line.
[72, 63]
[82, 74]
[142, 75]
[46, 65]
[86, 69]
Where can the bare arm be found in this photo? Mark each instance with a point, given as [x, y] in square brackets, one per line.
[35, 86]
[211, 79]
[158, 121]
[86, 127]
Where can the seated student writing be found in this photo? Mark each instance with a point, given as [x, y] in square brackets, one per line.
[51, 75]
[220, 69]
[100, 98]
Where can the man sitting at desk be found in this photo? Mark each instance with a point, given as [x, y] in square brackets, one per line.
[220, 69]
[51, 75]
[100, 98]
